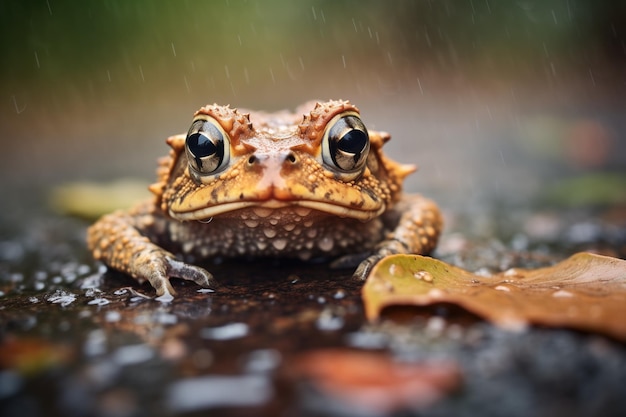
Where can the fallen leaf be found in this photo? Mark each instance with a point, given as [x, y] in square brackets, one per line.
[375, 381]
[585, 292]
[31, 356]
[91, 200]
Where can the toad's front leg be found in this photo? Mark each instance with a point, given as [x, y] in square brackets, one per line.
[416, 223]
[122, 240]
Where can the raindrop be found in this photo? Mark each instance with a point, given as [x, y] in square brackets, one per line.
[593, 79]
[62, 297]
[272, 75]
[423, 275]
[99, 302]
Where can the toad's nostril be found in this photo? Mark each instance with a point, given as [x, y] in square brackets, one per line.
[291, 158]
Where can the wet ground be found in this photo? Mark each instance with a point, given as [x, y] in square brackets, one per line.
[78, 340]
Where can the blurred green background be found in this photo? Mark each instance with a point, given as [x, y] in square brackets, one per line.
[487, 96]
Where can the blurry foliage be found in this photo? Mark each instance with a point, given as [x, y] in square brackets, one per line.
[597, 189]
[45, 40]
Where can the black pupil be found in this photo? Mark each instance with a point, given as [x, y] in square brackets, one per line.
[353, 142]
[200, 145]
[206, 145]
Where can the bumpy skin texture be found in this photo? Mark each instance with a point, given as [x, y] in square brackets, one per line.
[277, 194]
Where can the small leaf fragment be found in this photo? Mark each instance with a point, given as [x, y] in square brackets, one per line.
[584, 292]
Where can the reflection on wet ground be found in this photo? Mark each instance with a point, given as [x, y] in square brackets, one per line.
[80, 340]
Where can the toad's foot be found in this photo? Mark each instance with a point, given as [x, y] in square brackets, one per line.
[118, 239]
[386, 248]
[417, 231]
[157, 269]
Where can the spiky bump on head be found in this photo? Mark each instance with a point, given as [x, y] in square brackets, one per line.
[313, 124]
[236, 124]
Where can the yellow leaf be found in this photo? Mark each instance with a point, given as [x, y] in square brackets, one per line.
[585, 292]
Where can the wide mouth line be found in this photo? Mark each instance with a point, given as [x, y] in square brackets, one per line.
[330, 208]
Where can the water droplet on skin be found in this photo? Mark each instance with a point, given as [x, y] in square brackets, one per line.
[279, 244]
[502, 288]
[562, 294]
[512, 272]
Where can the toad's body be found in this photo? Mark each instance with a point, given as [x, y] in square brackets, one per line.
[305, 184]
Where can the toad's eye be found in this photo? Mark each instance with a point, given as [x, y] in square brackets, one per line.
[207, 147]
[346, 144]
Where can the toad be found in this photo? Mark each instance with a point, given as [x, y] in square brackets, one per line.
[308, 184]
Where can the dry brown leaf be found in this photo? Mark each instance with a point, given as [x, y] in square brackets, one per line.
[585, 291]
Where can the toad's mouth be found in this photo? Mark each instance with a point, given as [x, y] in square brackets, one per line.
[266, 208]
